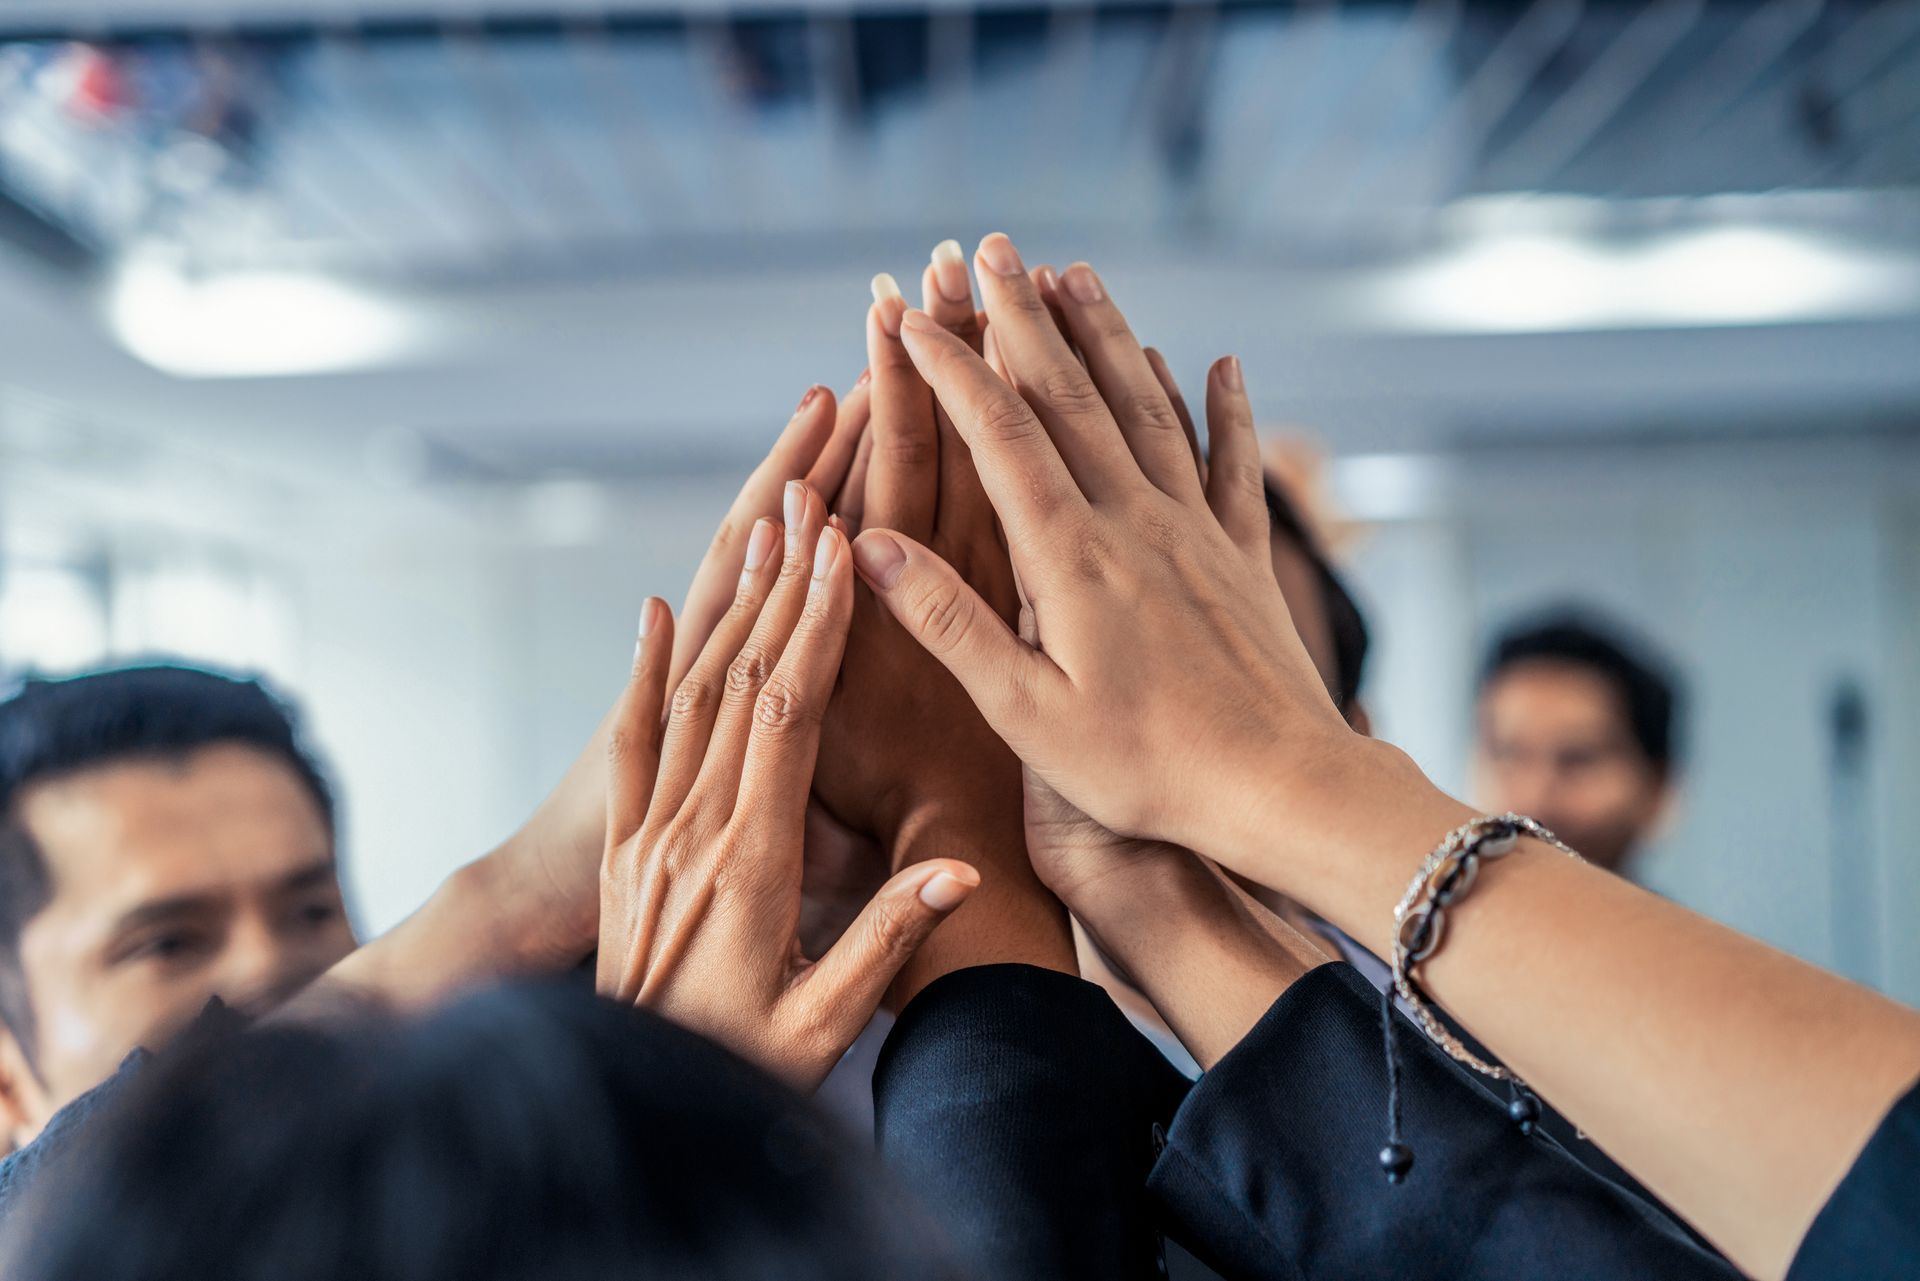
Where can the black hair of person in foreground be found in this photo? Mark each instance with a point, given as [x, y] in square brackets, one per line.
[529, 1131]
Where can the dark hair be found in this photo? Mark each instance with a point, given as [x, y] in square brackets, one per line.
[1348, 626]
[527, 1133]
[52, 728]
[1648, 693]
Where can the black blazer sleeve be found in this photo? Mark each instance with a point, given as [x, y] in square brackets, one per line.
[1272, 1166]
[1020, 1105]
[1869, 1230]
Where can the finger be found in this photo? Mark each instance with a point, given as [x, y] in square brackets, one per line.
[714, 583]
[696, 696]
[990, 352]
[633, 739]
[1164, 372]
[1128, 385]
[1236, 481]
[947, 295]
[1046, 372]
[829, 470]
[903, 475]
[1047, 281]
[1011, 684]
[852, 503]
[1024, 474]
[846, 985]
[785, 742]
[754, 665]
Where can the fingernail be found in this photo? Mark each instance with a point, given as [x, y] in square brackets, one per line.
[866, 376]
[1047, 281]
[1000, 256]
[1083, 284]
[945, 892]
[646, 618]
[1230, 374]
[825, 552]
[879, 559]
[950, 272]
[759, 544]
[886, 293]
[920, 322]
[812, 394]
[793, 504]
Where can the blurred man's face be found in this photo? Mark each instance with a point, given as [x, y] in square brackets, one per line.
[1554, 744]
[172, 882]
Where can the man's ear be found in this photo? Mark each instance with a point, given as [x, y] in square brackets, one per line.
[23, 1100]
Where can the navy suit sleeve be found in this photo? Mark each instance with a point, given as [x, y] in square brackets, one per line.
[1272, 1170]
[1021, 1106]
[1869, 1230]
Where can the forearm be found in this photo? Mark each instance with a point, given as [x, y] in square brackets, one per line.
[1736, 1082]
[1011, 919]
[499, 916]
[1210, 959]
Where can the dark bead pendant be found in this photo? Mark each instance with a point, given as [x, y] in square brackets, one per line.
[1524, 1110]
[1396, 1159]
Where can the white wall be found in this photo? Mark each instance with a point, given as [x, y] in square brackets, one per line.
[1769, 570]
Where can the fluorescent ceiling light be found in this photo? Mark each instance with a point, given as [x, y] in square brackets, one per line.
[251, 324]
[1539, 283]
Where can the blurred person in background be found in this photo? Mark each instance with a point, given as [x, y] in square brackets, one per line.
[1577, 727]
[164, 839]
[526, 1132]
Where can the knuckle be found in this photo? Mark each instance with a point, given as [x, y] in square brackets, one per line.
[693, 698]
[624, 747]
[1153, 412]
[748, 672]
[1070, 391]
[907, 447]
[782, 708]
[1006, 418]
[893, 920]
[941, 618]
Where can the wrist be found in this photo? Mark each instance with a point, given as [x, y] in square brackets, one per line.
[1339, 830]
[540, 907]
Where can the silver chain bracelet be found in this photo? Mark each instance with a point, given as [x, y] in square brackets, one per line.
[1420, 922]
[1421, 918]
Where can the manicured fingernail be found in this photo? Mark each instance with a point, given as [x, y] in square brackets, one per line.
[759, 544]
[950, 272]
[1083, 284]
[866, 376]
[920, 322]
[792, 504]
[1230, 374]
[825, 552]
[812, 394]
[945, 892]
[879, 559]
[1047, 281]
[889, 302]
[646, 617]
[1000, 256]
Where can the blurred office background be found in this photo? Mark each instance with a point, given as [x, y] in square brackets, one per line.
[398, 348]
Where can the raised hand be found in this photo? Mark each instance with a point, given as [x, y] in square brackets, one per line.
[1154, 599]
[542, 891]
[700, 886]
[909, 757]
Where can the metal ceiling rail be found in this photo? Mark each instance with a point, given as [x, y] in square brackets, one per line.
[1577, 116]
[1721, 82]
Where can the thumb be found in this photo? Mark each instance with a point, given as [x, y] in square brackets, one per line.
[1004, 677]
[846, 985]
